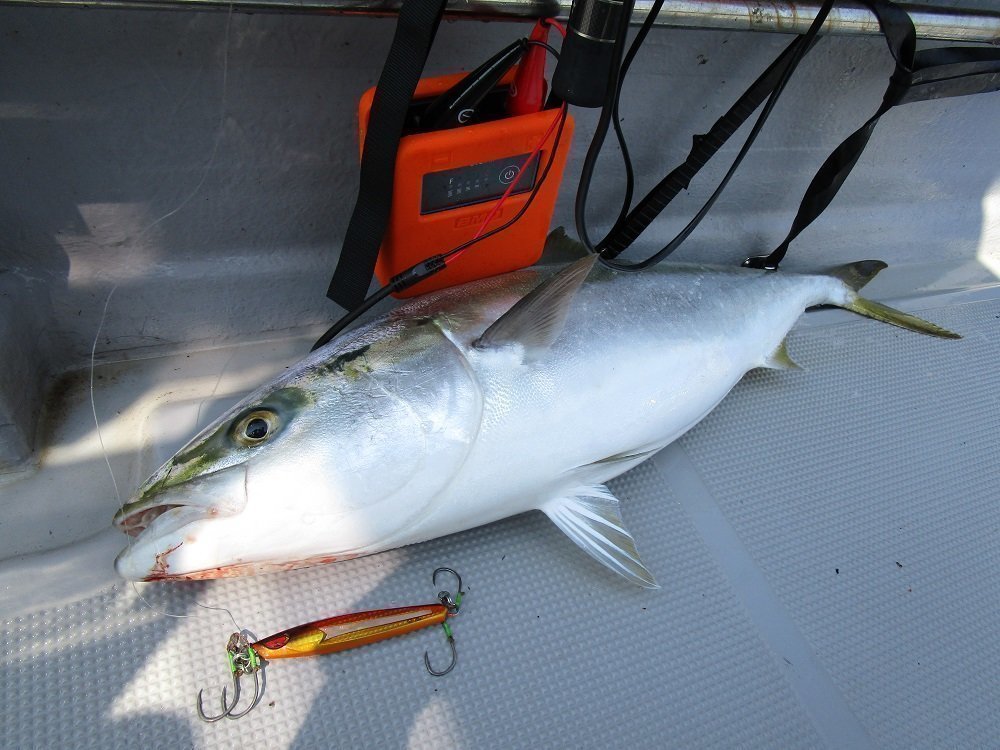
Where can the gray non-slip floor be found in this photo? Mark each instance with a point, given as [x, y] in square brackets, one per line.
[827, 541]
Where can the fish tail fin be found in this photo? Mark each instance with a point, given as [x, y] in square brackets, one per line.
[855, 275]
[886, 314]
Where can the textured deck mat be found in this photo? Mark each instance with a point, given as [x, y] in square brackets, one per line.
[553, 652]
[877, 519]
[826, 542]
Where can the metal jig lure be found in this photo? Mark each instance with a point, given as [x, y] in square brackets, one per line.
[334, 634]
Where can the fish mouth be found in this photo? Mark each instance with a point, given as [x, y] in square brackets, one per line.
[155, 533]
[136, 522]
[165, 523]
[219, 493]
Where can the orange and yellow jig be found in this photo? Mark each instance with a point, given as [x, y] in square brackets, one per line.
[331, 635]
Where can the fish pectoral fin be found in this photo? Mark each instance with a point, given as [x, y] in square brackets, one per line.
[780, 359]
[591, 518]
[537, 319]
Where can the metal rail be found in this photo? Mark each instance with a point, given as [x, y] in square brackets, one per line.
[950, 24]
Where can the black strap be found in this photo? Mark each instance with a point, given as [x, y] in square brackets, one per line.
[953, 71]
[415, 30]
[917, 76]
[703, 148]
[767, 88]
[928, 74]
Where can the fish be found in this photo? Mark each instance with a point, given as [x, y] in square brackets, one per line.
[524, 391]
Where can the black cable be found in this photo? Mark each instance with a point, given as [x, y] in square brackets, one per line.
[600, 132]
[611, 108]
[430, 266]
[629, 174]
[633, 49]
[353, 315]
[804, 43]
[552, 50]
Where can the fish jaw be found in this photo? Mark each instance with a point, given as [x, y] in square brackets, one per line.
[221, 491]
[162, 521]
[229, 524]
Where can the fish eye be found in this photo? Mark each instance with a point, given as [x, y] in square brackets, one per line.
[255, 427]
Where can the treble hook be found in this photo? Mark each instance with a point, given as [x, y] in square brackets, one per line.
[453, 605]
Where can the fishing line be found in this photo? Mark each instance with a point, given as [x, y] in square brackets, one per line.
[114, 481]
[93, 404]
[107, 303]
[218, 131]
[215, 389]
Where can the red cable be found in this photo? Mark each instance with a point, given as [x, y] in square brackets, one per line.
[556, 25]
[520, 173]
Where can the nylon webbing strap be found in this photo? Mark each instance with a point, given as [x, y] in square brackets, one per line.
[953, 71]
[703, 148]
[917, 76]
[928, 74]
[415, 30]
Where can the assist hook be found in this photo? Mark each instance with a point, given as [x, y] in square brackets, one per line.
[453, 604]
[242, 660]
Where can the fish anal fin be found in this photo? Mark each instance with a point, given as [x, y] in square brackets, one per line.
[780, 359]
[590, 517]
[537, 319]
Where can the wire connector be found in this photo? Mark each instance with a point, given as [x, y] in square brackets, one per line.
[422, 270]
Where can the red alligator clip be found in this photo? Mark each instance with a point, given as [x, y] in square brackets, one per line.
[528, 90]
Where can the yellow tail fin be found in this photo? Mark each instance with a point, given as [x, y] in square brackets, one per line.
[886, 314]
[856, 275]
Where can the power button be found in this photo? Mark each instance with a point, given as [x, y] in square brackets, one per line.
[509, 173]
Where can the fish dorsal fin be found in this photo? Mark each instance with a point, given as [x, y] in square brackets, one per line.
[561, 248]
[538, 318]
[591, 518]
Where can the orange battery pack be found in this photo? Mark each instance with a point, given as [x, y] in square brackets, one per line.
[447, 182]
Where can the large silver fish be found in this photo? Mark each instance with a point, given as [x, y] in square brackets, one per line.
[520, 392]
